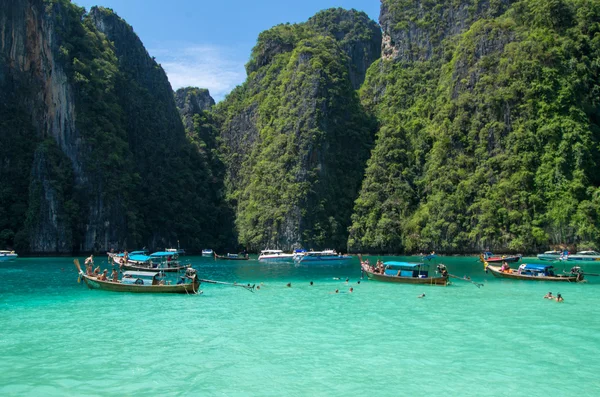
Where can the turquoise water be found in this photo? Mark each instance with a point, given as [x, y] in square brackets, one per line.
[57, 337]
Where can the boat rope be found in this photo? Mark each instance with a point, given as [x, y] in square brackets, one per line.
[247, 287]
[464, 279]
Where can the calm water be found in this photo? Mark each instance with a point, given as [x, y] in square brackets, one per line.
[57, 337]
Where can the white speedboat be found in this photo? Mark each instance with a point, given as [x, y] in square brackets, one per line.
[590, 256]
[275, 256]
[207, 252]
[322, 256]
[7, 256]
[552, 255]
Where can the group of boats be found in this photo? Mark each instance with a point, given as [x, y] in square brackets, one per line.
[298, 256]
[587, 256]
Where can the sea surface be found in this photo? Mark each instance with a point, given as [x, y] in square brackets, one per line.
[59, 338]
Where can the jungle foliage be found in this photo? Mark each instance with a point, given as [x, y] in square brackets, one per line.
[493, 141]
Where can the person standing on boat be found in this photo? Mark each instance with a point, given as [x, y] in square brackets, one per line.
[115, 276]
[89, 264]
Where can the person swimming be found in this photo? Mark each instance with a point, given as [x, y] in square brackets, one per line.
[311, 283]
[559, 297]
[351, 290]
[549, 296]
[421, 296]
[288, 285]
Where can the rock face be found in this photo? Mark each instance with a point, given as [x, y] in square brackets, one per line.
[294, 135]
[415, 30]
[96, 139]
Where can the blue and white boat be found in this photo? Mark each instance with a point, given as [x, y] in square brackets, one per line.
[8, 256]
[584, 256]
[207, 252]
[275, 256]
[321, 257]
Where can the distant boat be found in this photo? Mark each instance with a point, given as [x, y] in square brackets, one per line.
[321, 256]
[491, 258]
[275, 256]
[535, 272]
[404, 272]
[178, 251]
[144, 282]
[552, 255]
[232, 257]
[207, 252]
[8, 256]
[591, 256]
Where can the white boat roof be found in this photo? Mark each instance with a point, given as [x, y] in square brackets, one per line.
[6, 252]
[271, 252]
[588, 253]
[139, 274]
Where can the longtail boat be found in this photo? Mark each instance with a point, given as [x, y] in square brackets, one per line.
[404, 272]
[535, 272]
[143, 282]
[165, 261]
[491, 258]
[231, 257]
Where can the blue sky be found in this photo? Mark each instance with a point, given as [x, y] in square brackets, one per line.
[206, 43]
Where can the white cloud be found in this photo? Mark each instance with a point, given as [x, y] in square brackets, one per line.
[204, 66]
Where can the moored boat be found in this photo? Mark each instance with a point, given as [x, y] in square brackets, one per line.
[165, 261]
[552, 255]
[585, 256]
[404, 272]
[8, 256]
[207, 252]
[232, 257]
[275, 256]
[321, 256]
[491, 258]
[535, 272]
[143, 282]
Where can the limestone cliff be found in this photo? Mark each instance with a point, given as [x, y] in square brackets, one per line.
[294, 135]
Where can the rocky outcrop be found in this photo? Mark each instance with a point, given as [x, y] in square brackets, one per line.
[358, 35]
[415, 30]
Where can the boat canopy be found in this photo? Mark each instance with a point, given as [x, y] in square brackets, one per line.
[404, 264]
[162, 254]
[271, 252]
[139, 258]
[587, 253]
[537, 267]
[139, 274]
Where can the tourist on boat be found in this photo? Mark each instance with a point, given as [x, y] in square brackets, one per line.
[521, 267]
[559, 298]
[103, 276]
[115, 276]
[549, 296]
[89, 260]
[505, 267]
[97, 271]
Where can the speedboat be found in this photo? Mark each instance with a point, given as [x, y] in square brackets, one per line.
[491, 258]
[207, 252]
[552, 255]
[275, 256]
[7, 256]
[322, 256]
[591, 256]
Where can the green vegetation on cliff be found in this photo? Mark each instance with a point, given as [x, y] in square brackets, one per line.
[296, 138]
[490, 139]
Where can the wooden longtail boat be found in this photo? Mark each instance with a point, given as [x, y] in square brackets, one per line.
[405, 272]
[535, 273]
[490, 258]
[232, 257]
[144, 282]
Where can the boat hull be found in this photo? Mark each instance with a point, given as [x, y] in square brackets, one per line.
[406, 280]
[229, 258]
[513, 275]
[277, 259]
[583, 258]
[173, 269]
[93, 283]
[8, 257]
[548, 257]
[499, 259]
